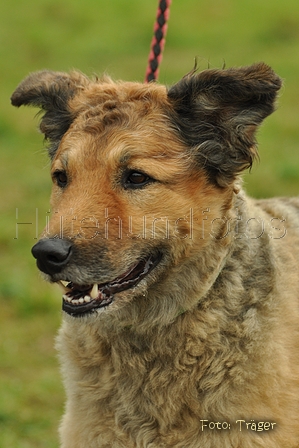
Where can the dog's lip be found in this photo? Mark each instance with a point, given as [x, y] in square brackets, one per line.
[81, 299]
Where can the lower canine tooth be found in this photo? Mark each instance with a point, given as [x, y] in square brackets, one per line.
[94, 292]
[87, 299]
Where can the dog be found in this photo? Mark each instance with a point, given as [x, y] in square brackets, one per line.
[180, 293]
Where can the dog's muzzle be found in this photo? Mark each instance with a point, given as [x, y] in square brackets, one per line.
[52, 257]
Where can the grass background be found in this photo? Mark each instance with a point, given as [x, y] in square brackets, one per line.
[113, 36]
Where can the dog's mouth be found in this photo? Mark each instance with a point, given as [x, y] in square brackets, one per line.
[78, 299]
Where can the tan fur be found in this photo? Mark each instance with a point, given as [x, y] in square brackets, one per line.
[211, 335]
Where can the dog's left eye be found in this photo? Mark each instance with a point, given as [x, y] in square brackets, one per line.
[60, 178]
[137, 179]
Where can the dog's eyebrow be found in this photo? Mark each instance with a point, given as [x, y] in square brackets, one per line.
[121, 153]
[63, 159]
[125, 157]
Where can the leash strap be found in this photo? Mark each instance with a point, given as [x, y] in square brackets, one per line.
[158, 41]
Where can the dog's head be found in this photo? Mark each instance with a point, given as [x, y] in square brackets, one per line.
[138, 172]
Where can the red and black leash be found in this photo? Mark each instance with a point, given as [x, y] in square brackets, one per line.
[158, 41]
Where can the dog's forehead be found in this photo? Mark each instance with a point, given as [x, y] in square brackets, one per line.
[110, 102]
[119, 120]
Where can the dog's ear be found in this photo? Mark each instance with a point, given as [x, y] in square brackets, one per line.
[51, 92]
[217, 113]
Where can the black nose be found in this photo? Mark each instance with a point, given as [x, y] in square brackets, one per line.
[52, 255]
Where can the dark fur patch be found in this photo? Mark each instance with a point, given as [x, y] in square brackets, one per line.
[217, 113]
[51, 91]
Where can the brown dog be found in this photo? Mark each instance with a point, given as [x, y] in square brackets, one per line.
[180, 294]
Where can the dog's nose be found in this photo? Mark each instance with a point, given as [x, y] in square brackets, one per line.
[52, 255]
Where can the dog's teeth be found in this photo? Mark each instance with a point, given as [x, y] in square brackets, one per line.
[67, 298]
[94, 292]
[62, 286]
[85, 299]
[64, 283]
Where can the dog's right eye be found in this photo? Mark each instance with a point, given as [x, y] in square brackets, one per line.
[61, 178]
[136, 179]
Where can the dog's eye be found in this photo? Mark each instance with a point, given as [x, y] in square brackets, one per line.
[60, 178]
[137, 179]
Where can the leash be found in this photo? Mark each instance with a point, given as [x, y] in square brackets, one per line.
[158, 41]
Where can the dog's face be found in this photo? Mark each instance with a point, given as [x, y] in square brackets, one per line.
[142, 178]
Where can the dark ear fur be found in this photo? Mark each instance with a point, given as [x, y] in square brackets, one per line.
[51, 91]
[218, 112]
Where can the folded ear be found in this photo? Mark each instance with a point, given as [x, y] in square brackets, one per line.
[218, 112]
[51, 91]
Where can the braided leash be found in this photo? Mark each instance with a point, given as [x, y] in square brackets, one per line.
[158, 41]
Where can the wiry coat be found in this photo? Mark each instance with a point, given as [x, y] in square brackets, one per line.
[204, 350]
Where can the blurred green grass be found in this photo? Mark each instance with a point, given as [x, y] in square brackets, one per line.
[97, 36]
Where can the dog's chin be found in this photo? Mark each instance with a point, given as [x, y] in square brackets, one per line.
[81, 300]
